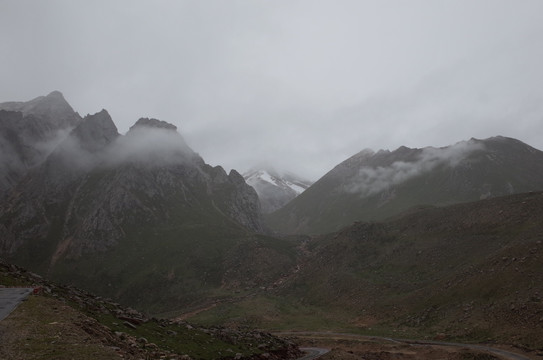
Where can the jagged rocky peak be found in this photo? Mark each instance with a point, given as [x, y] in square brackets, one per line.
[96, 131]
[236, 177]
[29, 132]
[154, 141]
[153, 123]
[52, 107]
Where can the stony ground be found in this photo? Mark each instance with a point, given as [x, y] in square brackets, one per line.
[63, 322]
[347, 347]
[46, 328]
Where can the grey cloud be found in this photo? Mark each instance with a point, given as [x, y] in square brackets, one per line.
[48, 146]
[71, 153]
[95, 143]
[371, 180]
[302, 84]
[148, 146]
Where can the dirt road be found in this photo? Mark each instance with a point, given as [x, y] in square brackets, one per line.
[502, 354]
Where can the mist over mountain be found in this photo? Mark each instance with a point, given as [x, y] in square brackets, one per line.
[419, 124]
[377, 176]
[376, 185]
[99, 203]
[53, 110]
[143, 219]
[29, 132]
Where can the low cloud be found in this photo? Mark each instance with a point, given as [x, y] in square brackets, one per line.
[48, 146]
[21, 152]
[147, 145]
[371, 180]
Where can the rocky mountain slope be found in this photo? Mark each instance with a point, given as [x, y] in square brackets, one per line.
[64, 322]
[463, 273]
[140, 218]
[29, 131]
[275, 189]
[374, 186]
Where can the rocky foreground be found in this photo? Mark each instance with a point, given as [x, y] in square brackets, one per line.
[63, 322]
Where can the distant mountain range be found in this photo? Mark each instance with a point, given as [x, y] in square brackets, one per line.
[275, 189]
[373, 186]
[423, 241]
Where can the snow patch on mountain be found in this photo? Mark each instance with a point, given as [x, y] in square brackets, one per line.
[275, 189]
[298, 186]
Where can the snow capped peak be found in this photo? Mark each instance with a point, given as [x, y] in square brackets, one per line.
[275, 189]
[287, 181]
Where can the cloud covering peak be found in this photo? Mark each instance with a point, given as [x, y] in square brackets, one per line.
[406, 164]
[95, 142]
[301, 84]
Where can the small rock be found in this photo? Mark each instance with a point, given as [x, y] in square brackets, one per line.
[130, 325]
[132, 320]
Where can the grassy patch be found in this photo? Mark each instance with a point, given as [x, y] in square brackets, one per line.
[275, 314]
[180, 339]
[43, 328]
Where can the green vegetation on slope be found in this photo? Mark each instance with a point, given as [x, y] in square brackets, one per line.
[467, 272]
[157, 239]
[65, 322]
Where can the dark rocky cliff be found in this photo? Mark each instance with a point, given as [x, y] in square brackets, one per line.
[96, 182]
[99, 195]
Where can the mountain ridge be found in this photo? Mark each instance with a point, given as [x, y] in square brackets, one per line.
[53, 107]
[132, 210]
[29, 132]
[375, 185]
[143, 219]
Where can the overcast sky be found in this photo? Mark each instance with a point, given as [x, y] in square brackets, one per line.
[302, 85]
